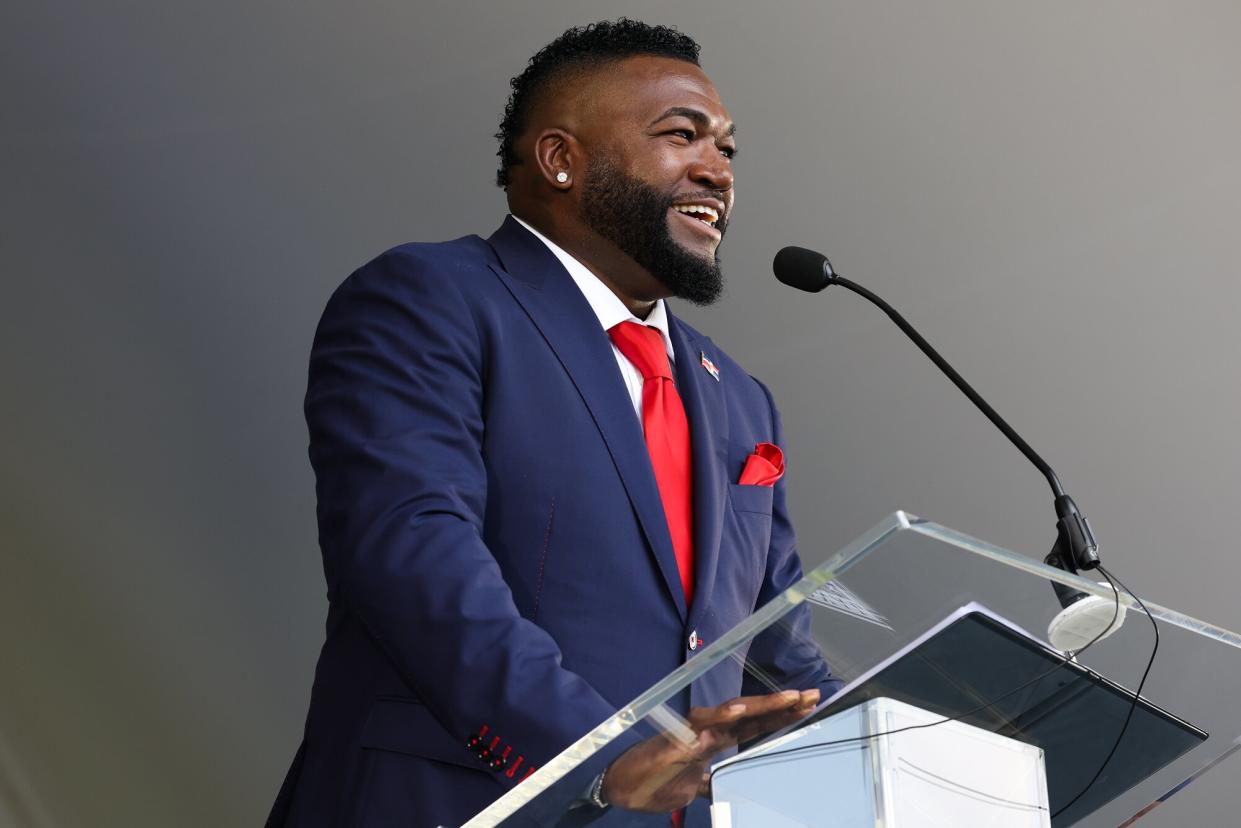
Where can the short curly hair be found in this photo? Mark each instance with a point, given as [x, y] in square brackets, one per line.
[581, 47]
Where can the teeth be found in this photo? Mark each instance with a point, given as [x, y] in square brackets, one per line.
[700, 209]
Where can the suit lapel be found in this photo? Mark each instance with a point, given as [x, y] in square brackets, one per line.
[703, 397]
[556, 306]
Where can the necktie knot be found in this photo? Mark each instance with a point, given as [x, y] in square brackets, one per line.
[644, 347]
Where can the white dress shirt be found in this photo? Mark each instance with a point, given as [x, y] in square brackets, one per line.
[611, 311]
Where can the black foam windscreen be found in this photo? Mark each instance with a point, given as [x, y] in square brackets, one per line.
[803, 269]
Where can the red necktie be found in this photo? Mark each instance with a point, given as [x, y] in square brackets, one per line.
[667, 438]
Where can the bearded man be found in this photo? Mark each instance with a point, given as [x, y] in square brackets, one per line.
[536, 487]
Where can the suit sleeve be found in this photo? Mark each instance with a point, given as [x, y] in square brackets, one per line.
[395, 410]
[786, 652]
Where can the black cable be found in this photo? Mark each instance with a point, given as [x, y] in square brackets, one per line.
[1069, 656]
[1136, 696]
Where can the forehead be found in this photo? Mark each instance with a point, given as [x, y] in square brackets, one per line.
[644, 87]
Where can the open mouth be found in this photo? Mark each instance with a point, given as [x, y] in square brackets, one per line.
[701, 212]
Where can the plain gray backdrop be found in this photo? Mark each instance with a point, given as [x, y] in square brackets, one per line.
[1051, 191]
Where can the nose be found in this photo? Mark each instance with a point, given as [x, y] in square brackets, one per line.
[712, 170]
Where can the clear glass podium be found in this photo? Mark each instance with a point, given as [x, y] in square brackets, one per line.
[879, 597]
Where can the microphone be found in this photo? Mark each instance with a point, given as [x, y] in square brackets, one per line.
[803, 269]
[1075, 548]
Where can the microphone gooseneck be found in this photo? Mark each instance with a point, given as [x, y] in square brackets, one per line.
[1075, 548]
[1081, 623]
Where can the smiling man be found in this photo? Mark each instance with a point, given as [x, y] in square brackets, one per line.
[538, 491]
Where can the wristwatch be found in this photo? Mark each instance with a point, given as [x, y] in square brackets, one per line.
[596, 791]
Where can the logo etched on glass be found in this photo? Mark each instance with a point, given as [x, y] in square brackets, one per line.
[836, 596]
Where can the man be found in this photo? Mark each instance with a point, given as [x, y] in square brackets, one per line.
[529, 473]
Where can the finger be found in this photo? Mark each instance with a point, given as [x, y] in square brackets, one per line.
[778, 718]
[748, 717]
[755, 705]
[750, 706]
[731, 711]
[750, 728]
[740, 711]
[770, 701]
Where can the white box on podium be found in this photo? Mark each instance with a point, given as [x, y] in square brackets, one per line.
[853, 769]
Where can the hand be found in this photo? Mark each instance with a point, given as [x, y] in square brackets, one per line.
[663, 774]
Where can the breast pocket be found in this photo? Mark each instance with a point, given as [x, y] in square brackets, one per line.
[751, 499]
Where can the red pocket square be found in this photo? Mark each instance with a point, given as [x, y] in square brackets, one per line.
[764, 467]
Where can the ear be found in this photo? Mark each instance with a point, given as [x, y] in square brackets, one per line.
[556, 153]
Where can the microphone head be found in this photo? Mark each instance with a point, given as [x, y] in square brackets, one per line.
[803, 269]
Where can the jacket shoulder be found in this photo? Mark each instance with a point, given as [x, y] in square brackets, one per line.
[416, 286]
[415, 265]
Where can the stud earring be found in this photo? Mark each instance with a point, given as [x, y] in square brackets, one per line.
[562, 176]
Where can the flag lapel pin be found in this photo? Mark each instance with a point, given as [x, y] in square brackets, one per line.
[710, 366]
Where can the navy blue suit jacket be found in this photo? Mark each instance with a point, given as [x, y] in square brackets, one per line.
[493, 539]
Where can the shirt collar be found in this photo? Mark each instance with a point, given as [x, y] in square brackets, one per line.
[608, 307]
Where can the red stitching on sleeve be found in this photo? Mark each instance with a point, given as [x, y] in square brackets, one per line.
[529, 771]
[509, 773]
[494, 742]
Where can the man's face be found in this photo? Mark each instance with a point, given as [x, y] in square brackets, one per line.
[658, 182]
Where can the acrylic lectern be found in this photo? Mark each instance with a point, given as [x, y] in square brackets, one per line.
[951, 633]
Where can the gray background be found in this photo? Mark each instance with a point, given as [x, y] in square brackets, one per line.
[1051, 191]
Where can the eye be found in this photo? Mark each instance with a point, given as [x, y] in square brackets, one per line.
[728, 152]
[687, 134]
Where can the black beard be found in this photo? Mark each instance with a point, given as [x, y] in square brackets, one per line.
[633, 215]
